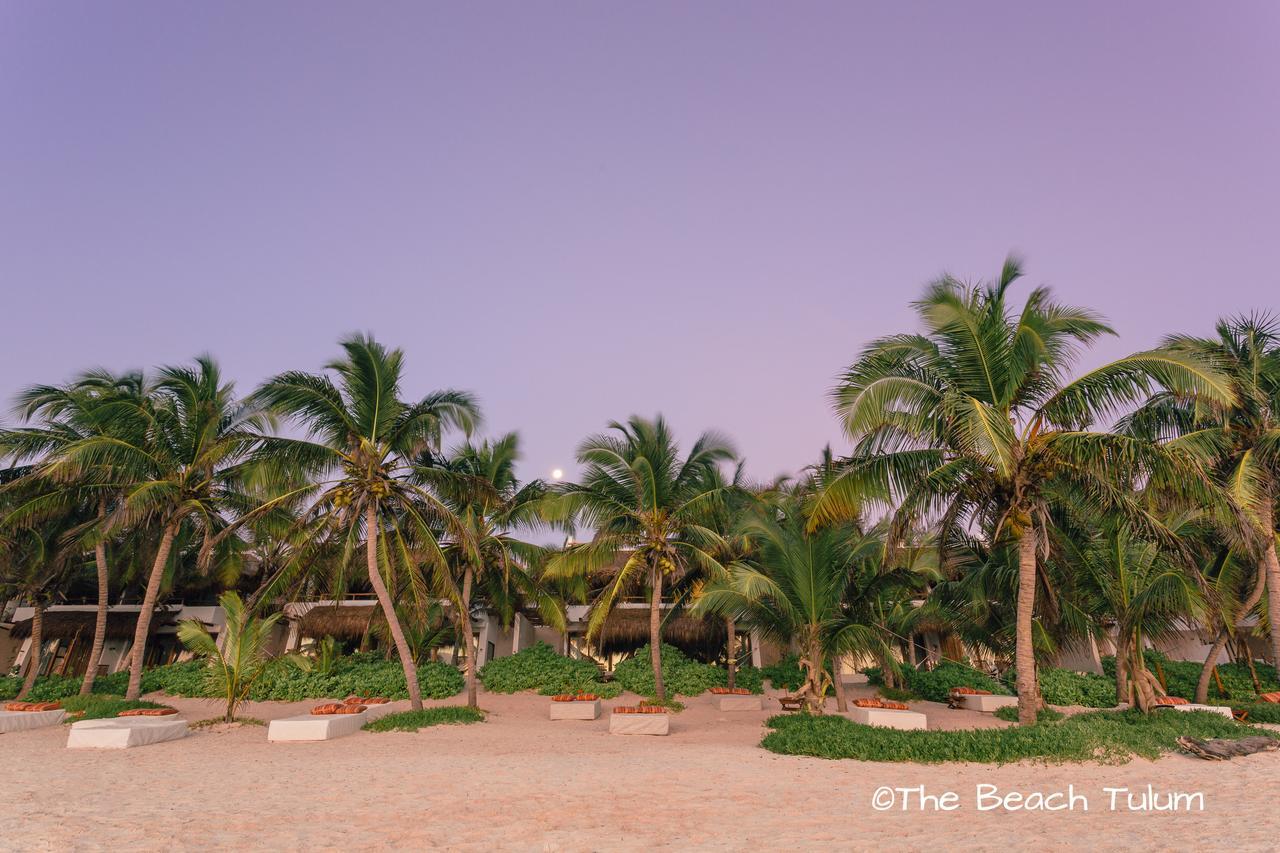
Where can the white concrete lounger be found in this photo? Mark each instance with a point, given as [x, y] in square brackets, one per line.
[639, 724]
[1213, 709]
[125, 732]
[312, 727]
[986, 703]
[575, 710]
[21, 721]
[889, 718]
[738, 702]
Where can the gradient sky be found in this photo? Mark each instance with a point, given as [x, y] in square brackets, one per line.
[584, 210]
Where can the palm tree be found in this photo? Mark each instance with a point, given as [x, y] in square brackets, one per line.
[646, 505]
[974, 422]
[479, 484]
[1241, 435]
[66, 414]
[810, 587]
[36, 562]
[239, 657]
[361, 445]
[1145, 591]
[177, 457]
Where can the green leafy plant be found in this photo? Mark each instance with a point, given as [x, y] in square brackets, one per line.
[936, 684]
[897, 695]
[1010, 715]
[365, 674]
[682, 676]
[96, 706]
[235, 664]
[1108, 737]
[411, 721]
[540, 668]
[1260, 712]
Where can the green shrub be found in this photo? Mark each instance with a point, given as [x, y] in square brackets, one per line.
[785, 674]
[50, 688]
[680, 675]
[411, 721]
[1009, 713]
[1259, 712]
[936, 684]
[1109, 737]
[364, 674]
[101, 707]
[541, 668]
[1181, 676]
[1064, 687]
[895, 695]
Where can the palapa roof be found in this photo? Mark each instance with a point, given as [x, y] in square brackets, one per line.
[65, 624]
[627, 629]
[342, 621]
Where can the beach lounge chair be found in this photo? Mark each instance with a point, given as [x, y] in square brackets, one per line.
[23, 716]
[125, 732]
[791, 703]
[1177, 703]
[326, 722]
[886, 714]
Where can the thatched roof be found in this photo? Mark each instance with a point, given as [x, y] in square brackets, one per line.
[65, 624]
[343, 622]
[627, 629]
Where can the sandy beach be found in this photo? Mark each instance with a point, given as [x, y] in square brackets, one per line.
[521, 782]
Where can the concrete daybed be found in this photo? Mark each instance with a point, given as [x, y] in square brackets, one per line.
[1192, 706]
[889, 718]
[726, 701]
[623, 723]
[576, 709]
[984, 702]
[21, 721]
[125, 732]
[313, 727]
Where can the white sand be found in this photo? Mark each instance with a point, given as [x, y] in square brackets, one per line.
[523, 782]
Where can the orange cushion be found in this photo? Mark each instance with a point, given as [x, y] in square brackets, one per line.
[867, 703]
[1273, 697]
[1171, 700]
[148, 712]
[894, 706]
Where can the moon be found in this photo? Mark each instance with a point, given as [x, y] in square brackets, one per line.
[557, 474]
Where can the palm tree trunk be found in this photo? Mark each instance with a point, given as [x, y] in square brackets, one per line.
[1122, 671]
[655, 636]
[100, 621]
[1210, 661]
[143, 628]
[814, 694]
[465, 613]
[1273, 580]
[37, 646]
[1024, 657]
[388, 608]
[838, 683]
[1255, 595]
[731, 661]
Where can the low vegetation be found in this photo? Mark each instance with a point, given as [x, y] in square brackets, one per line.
[1009, 714]
[363, 674]
[681, 675]
[1108, 737]
[541, 668]
[100, 707]
[935, 684]
[411, 721]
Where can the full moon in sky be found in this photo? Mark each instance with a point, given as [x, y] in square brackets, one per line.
[557, 474]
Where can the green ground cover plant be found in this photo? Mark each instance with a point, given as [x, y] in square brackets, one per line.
[1109, 737]
[411, 721]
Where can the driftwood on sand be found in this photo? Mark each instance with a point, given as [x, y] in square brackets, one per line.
[1218, 749]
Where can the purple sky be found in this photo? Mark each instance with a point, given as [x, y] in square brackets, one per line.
[580, 211]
